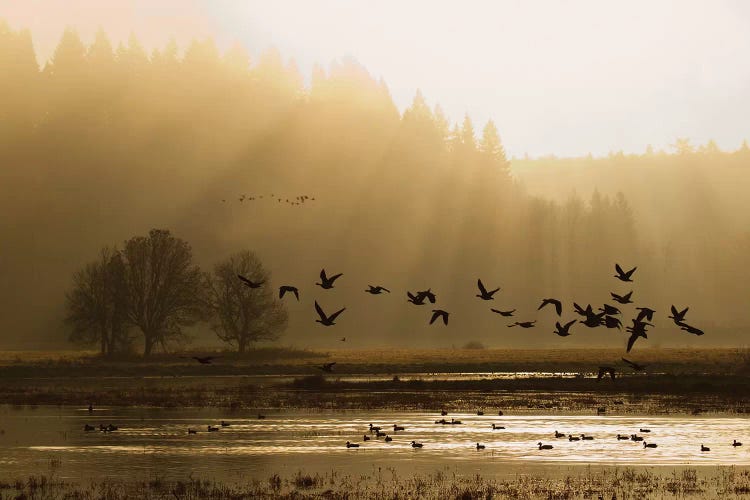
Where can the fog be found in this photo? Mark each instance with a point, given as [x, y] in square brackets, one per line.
[103, 142]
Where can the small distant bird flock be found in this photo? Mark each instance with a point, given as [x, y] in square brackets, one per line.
[605, 316]
[295, 201]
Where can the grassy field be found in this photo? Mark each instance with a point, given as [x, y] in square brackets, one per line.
[614, 483]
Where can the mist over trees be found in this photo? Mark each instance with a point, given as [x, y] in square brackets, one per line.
[103, 142]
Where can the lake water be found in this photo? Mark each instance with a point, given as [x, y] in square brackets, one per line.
[154, 442]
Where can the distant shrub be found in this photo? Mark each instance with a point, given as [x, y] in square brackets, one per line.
[474, 344]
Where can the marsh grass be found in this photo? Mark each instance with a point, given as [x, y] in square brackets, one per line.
[620, 483]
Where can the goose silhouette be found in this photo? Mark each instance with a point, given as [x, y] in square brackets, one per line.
[290, 289]
[544, 446]
[563, 330]
[736, 443]
[622, 438]
[554, 302]
[705, 448]
[691, 329]
[622, 299]
[414, 444]
[622, 275]
[376, 290]
[523, 324]
[649, 445]
[485, 294]
[388, 439]
[397, 428]
[416, 299]
[612, 322]
[351, 445]
[439, 313]
[559, 434]
[503, 313]
[326, 282]
[678, 316]
[497, 427]
[480, 446]
[427, 294]
[249, 283]
[645, 313]
[324, 319]
[609, 310]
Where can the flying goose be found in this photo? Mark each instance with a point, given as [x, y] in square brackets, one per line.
[622, 275]
[604, 370]
[503, 313]
[417, 300]
[250, 284]
[327, 320]
[288, 288]
[485, 294]
[563, 330]
[609, 310]
[622, 299]
[594, 320]
[327, 367]
[523, 324]
[376, 290]
[427, 294]
[554, 302]
[612, 322]
[439, 313]
[581, 311]
[635, 366]
[691, 329]
[678, 316]
[325, 281]
[645, 312]
[634, 336]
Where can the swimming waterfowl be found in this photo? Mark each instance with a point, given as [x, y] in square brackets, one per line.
[89, 428]
[559, 434]
[573, 438]
[554, 302]
[351, 445]
[212, 428]
[324, 319]
[485, 294]
[635, 437]
[500, 413]
[261, 416]
[644, 430]
[388, 439]
[622, 438]
[192, 431]
[397, 428]
[705, 448]
[649, 445]
[544, 446]
[225, 424]
[480, 446]
[497, 427]
[379, 434]
[373, 428]
[365, 437]
[587, 438]
[443, 413]
[736, 443]
[455, 422]
[622, 275]
[326, 282]
[414, 444]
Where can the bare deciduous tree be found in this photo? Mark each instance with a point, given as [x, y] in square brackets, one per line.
[243, 315]
[164, 286]
[97, 304]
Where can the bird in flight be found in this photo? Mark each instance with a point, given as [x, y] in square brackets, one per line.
[583, 312]
[523, 324]
[325, 281]
[563, 330]
[439, 313]
[594, 320]
[622, 275]
[637, 330]
[603, 370]
[635, 366]
[612, 322]
[427, 294]
[691, 329]
[485, 294]
[249, 283]
[678, 316]
[376, 290]
[327, 320]
[503, 313]
[609, 310]
[622, 299]
[288, 288]
[555, 302]
[645, 313]
[326, 367]
[204, 360]
[417, 300]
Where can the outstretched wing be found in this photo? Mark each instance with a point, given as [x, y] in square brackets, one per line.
[296, 293]
[322, 315]
[335, 315]
[385, 289]
[629, 362]
[630, 273]
[482, 289]
[558, 307]
[569, 324]
[435, 315]
[334, 278]
[323, 275]
[674, 311]
[631, 341]
[544, 303]
[619, 270]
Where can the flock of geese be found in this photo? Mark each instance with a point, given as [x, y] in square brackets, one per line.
[377, 432]
[605, 316]
[298, 200]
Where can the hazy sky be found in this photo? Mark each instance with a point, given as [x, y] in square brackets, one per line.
[563, 77]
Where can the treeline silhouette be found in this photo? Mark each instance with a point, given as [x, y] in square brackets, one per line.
[102, 142]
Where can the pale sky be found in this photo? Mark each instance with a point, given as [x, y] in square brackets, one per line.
[563, 77]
